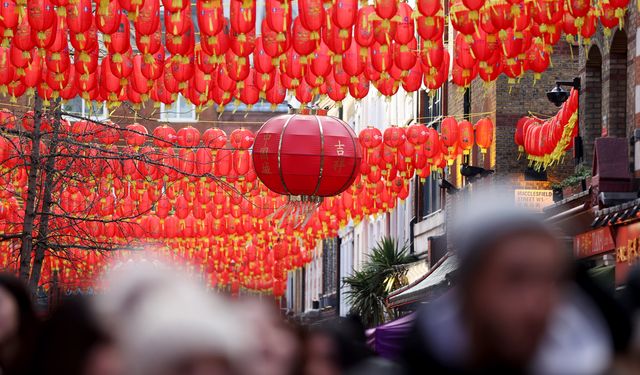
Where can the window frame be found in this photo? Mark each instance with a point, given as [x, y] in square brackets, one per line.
[429, 194]
[83, 112]
[182, 116]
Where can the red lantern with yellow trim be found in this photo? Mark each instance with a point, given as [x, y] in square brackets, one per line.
[484, 134]
[465, 136]
[450, 132]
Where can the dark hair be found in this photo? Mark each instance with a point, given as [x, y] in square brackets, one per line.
[27, 326]
[348, 338]
[476, 244]
[67, 339]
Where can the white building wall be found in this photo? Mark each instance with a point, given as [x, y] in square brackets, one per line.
[313, 279]
[346, 265]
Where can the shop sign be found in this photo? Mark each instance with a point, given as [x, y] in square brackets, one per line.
[627, 239]
[532, 199]
[593, 243]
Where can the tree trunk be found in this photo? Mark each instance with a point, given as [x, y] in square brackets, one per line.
[41, 244]
[32, 192]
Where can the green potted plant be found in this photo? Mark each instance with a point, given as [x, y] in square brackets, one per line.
[384, 271]
[557, 191]
[576, 183]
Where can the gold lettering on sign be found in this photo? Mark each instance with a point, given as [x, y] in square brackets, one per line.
[632, 249]
[628, 253]
[621, 254]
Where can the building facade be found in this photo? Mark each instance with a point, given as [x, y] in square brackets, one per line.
[607, 108]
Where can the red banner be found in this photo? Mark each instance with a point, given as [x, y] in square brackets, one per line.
[627, 238]
[595, 242]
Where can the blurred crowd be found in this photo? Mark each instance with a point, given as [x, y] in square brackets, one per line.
[520, 305]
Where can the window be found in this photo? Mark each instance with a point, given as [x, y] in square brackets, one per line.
[429, 192]
[261, 106]
[433, 108]
[180, 111]
[466, 104]
[93, 110]
[430, 199]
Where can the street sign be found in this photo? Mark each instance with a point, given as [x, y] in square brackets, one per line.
[534, 200]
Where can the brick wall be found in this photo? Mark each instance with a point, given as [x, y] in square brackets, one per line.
[615, 85]
[505, 103]
[591, 99]
[616, 108]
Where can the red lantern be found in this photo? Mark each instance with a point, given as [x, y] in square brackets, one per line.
[311, 14]
[344, 13]
[119, 41]
[242, 138]
[286, 163]
[41, 14]
[135, 135]
[520, 133]
[431, 28]
[302, 39]
[465, 136]
[108, 16]
[188, 137]
[165, 136]
[360, 88]
[462, 18]
[386, 8]
[210, 17]
[214, 138]
[405, 30]
[450, 132]
[484, 134]
[363, 32]
[394, 137]
[370, 137]
[79, 16]
[278, 15]
[381, 58]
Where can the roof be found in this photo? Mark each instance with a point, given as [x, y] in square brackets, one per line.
[422, 288]
[617, 214]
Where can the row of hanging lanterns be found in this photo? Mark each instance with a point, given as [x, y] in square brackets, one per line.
[198, 196]
[159, 49]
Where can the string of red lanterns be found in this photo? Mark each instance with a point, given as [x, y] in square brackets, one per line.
[197, 199]
[83, 48]
[546, 141]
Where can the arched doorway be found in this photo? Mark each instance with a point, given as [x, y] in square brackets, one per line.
[617, 116]
[592, 110]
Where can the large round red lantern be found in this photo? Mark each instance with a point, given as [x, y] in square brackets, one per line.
[306, 155]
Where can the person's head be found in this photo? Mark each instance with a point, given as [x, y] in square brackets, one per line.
[335, 347]
[72, 342]
[511, 277]
[17, 316]
[18, 326]
[167, 323]
[278, 343]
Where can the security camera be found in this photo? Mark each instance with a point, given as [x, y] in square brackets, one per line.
[558, 95]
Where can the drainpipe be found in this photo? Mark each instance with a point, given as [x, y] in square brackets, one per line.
[338, 264]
